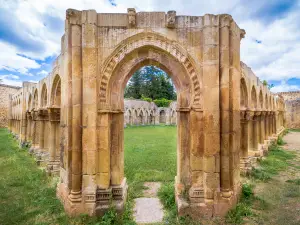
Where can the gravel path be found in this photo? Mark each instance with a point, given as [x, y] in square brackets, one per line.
[149, 209]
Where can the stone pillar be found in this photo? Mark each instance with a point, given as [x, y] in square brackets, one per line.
[255, 132]
[262, 128]
[244, 158]
[53, 163]
[41, 134]
[9, 115]
[267, 125]
[76, 68]
[250, 115]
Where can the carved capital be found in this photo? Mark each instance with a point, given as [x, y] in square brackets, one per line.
[226, 20]
[257, 113]
[73, 16]
[171, 19]
[54, 114]
[243, 33]
[249, 115]
[131, 17]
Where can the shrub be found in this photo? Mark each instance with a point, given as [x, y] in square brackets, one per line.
[280, 141]
[162, 102]
[146, 99]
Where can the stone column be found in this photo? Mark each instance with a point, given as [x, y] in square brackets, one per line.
[267, 125]
[75, 195]
[41, 133]
[262, 128]
[53, 163]
[250, 115]
[9, 113]
[244, 160]
[255, 131]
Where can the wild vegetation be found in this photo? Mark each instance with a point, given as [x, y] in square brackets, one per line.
[151, 84]
[270, 194]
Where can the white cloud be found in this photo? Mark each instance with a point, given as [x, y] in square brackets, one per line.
[7, 81]
[12, 61]
[43, 73]
[284, 87]
[277, 57]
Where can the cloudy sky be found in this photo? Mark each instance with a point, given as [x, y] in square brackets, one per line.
[30, 33]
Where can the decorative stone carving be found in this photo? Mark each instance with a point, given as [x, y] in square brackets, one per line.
[131, 17]
[171, 19]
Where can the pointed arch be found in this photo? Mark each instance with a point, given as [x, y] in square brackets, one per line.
[261, 99]
[244, 94]
[266, 102]
[56, 91]
[253, 98]
[35, 99]
[44, 95]
[29, 105]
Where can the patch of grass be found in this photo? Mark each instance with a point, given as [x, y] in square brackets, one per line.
[276, 161]
[243, 208]
[292, 191]
[150, 153]
[280, 141]
[294, 130]
[28, 195]
[296, 181]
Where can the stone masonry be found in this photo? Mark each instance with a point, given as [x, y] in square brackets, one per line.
[5, 91]
[292, 101]
[74, 118]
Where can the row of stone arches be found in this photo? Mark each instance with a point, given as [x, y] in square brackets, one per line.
[212, 103]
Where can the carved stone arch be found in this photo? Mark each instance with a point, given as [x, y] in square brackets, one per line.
[244, 94]
[36, 99]
[253, 98]
[149, 49]
[44, 95]
[266, 102]
[55, 98]
[261, 99]
[29, 104]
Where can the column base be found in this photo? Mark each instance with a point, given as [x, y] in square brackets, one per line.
[93, 202]
[200, 208]
[245, 166]
[53, 167]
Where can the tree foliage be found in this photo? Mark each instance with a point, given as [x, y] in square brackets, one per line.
[265, 83]
[148, 83]
[162, 102]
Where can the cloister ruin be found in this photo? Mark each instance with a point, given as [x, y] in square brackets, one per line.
[74, 118]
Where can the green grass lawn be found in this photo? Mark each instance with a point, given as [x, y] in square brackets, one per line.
[150, 153]
[27, 194]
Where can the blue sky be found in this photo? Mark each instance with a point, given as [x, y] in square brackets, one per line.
[30, 33]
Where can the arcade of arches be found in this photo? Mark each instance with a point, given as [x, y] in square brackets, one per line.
[74, 118]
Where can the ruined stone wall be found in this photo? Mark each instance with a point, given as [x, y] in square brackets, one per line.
[5, 91]
[292, 102]
[293, 113]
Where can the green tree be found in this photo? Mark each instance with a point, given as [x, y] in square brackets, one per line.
[150, 82]
[265, 83]
[134, 86]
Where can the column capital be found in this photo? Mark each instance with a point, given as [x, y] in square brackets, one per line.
[54, 114]
[249, 115]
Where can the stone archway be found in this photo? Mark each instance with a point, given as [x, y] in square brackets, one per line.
[205, 69]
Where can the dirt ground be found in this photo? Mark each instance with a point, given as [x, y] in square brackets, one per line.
[281, 197]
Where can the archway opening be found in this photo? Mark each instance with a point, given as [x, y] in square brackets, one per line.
[150, 145]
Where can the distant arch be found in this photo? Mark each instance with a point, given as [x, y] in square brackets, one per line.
[35, 99]
[56, 91]
[44, 96]
[253, 98]
[261, 99]
[244, 94]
